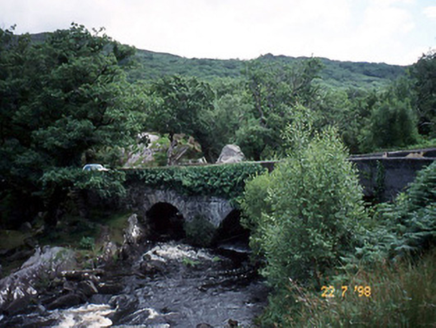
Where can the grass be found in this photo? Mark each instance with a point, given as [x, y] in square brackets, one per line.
[190, 263]
[402, 295]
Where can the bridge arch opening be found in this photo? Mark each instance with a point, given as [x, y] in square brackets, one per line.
[230, 234]
[165, 222]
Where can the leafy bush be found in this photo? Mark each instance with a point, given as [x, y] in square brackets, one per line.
[255, 206]
[312, 210]
[402, 290]
[392, 124]
[87, 243]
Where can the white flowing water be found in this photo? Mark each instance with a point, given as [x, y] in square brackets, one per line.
[88, 315]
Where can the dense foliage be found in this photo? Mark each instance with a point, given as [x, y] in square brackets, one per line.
[63, 102]
[408, 225]
[307, 213]
[177, 106]
[250, 102]
[395, 258]
[226, 181]
[309, 226]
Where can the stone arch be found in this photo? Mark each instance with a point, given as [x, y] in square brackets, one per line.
[213, 209]
[165, 222]
[231, 232]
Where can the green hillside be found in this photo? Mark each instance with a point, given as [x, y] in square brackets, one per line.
[152, 65]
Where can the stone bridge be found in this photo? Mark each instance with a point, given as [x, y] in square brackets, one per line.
[166, 213]
[382, 176]
[213, 208]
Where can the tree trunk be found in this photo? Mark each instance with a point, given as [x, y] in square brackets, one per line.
[170, 160]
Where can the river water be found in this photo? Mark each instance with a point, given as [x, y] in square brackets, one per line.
[170, 285]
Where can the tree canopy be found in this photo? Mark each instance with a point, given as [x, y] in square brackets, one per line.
[424, 73]
[61, 100]
[177, 106]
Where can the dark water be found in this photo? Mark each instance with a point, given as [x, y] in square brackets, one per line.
[170, 285]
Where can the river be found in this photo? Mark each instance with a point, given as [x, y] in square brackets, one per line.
[170, 284]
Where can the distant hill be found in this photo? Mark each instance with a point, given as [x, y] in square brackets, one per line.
[335, 74]
[152, 65]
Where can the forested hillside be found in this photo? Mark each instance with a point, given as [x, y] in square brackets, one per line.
[344, 74]
[335, 73]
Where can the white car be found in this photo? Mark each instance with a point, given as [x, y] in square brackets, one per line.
[94, 167]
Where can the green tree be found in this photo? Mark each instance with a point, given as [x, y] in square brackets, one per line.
[225, 120]
[392, 124]
[334, 108]
[275, 88]
[424, 74]
[177, 106]
[59, 99]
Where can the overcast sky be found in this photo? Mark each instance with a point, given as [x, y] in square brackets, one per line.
[391, 31]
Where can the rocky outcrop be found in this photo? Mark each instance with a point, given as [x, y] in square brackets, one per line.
[185, 150]
[133, 235]
[140, 154]
[18, 289]
[230, 154]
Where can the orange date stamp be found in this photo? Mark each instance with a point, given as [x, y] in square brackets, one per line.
[330, 291]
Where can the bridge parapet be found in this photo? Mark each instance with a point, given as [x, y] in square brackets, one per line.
[384, 177]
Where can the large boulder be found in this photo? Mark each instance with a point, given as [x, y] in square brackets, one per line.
[231, 154]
